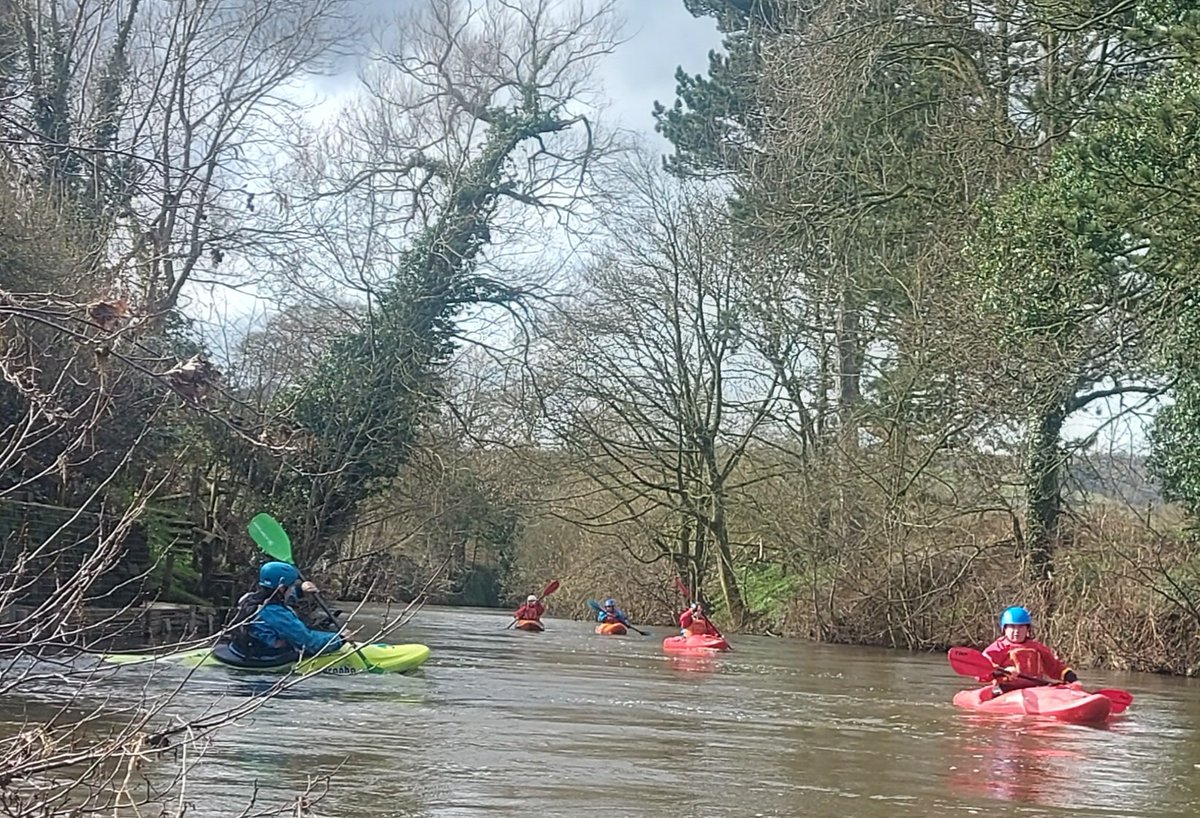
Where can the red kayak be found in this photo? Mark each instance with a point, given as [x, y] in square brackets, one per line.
[611, 629]
[534, 625]
[699, 643]
[1062, 702]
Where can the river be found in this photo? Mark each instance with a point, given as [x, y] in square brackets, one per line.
[567, 723]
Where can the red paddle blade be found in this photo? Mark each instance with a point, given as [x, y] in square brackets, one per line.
[969, 662]
[1120, 698]
[683, 589]
[549, 589]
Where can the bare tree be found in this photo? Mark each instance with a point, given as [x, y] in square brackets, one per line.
[649, 382]
[160, 122]
[472, 118]
[204, 116]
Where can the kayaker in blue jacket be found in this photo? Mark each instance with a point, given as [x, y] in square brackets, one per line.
[611, 613]
[270, 632]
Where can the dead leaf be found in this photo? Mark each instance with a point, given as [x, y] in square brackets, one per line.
[193, 378]
[108, 314]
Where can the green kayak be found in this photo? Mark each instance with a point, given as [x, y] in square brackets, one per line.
[380, 658]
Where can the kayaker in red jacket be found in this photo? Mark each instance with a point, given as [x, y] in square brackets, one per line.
[1017, 652]
[693, 622]
[532, 609]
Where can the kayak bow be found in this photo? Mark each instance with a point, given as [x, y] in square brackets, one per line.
[1062, 702]
[611, 629]
[534, 625]
[696, 643]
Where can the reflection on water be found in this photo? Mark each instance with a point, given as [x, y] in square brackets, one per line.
[567, 723]
[693, 664]
[1026, 763]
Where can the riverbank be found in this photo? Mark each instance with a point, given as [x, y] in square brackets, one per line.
[155, 623]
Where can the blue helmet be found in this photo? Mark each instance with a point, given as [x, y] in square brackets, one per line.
[277, 574]
[610, 603]
[1016, 615]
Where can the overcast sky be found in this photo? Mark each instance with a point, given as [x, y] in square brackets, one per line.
[661, 36]
[657, 37]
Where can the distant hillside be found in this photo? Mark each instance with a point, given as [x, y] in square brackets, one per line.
[1121, 477]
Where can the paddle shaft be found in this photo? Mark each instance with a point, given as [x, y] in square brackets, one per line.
[1038, 679]
[333, 618]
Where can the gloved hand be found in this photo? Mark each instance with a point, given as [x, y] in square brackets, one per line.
[999, 673]
[1070, 677]
[308, 587]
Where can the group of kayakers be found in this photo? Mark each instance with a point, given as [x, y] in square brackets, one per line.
[692, 621]
[1019, 659]
[277, 621]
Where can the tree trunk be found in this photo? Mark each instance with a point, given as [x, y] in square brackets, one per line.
[168, 573]
[726, 572]
[824, 385]
[1043, 490]
[849, 358]
[205, 545]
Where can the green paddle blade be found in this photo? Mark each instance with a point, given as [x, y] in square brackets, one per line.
[269, 535]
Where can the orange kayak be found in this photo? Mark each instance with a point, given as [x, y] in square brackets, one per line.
[611, 629]
[530, 625]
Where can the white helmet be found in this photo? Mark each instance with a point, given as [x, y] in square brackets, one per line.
[531, 598]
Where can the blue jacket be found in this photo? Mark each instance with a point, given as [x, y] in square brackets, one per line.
[277, 623]
[619, 616]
